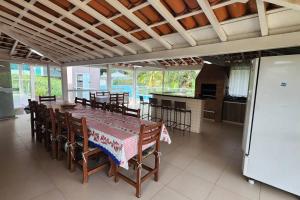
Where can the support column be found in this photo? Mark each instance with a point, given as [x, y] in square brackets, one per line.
[163, 81]
[109, 78]
[64, 82]
[49, 80]
[134, 85]
[21, 79]
[32, 82]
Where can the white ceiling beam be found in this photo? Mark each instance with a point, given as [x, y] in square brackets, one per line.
[169, 18]
[28, 54]
[122, 9]
[13, 48]
[237, 46]
[104, 20]
[22, 13]
[98, 51]
[46, 38]
[291, 4]
[208, 11]
[87, 26]
[262, 17]
[75, 46]
[6, 29]
[9, 58]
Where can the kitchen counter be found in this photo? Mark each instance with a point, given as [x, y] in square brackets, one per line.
[192, 103]
[174, 94]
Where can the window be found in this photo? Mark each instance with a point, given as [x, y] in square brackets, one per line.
[180, 81]
[55, 80]
[20, 75]
[41, 81]
[103, 79]
[239, 80]
[121, 81]
[147, 82]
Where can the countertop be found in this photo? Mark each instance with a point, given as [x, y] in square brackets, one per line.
[174, 94]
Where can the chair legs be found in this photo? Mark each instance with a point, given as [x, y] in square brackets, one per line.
[85, 170]
[138, 181]
[54, 148]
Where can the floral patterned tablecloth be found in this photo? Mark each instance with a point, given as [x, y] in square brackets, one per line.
[114, 133]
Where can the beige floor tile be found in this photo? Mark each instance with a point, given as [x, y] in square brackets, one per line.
[191, 186]
[166, 193]
[233, 180]
[179, 159]
[222, 194]
[271, 193]
[52, 195]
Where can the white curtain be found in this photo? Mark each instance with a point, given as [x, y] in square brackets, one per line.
[239, 80]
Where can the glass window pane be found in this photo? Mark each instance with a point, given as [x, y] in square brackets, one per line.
[181, 81]
[41, 81]
[147, 82]
[121, 81]
[103, 79]
[55, 80]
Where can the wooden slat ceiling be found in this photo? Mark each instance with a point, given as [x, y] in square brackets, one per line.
[77, 30]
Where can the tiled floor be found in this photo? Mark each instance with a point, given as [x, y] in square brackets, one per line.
[204, 166]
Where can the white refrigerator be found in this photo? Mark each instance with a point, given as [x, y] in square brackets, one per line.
[271, 141]
[6, 92]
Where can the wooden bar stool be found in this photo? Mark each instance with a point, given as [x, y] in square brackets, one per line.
[179, 110]
[153, 106]
[143, 103]
[166, 109]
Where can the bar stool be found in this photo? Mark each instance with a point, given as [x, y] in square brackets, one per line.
[166, 109]
[142, 105]
[153, 104]
[180, 108]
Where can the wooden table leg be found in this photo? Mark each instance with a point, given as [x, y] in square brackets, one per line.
[112, 168]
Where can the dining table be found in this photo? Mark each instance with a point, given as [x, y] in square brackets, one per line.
[114, 133]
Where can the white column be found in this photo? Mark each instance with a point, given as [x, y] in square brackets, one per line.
[134, 85]
[49, 80]
[109, 78]
[32, 81]
[163, 81]
[64, 82]
[20, 79]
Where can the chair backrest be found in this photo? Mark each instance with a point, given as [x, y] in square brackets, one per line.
[180, 105]
[132, 112]
[78, 127]
[92, 96]
[78, 100]
[153, 101]
[149, 134]
[87, 102]
[51, 121]
[99, 105]
[141, 99]
[32, 106]
[61, 120]
[166, 103]
[47, 98]
[120, 98]
[107, 93]
[113, 98]
[41, 113]
[126, 97]
[116, 108]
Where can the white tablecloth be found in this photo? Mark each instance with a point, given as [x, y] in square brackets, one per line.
[102, 99]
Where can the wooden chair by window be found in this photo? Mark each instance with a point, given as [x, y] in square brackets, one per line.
[99, 105]
[132, 112]
[126, 98]
[47, 98]
[107, 93]
[78, 129]
[148, 135]
[120, 99]
[79, 100]
[62, 132]
[113, 98]
[87, 102]
[32, 107]
[92, 96]
[116, 108]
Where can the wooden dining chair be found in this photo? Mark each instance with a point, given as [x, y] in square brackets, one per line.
[113, 98]
[50, 132]
[132, 112]
[47, 98]
[32, 108]
[116, 108]
[149, 135]
[62, 132]
[93, 96]
[126, 98]
[99, 93]
[99, 105]
[79, 100]
[120, 99]
[79, 143]
[41, 120]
